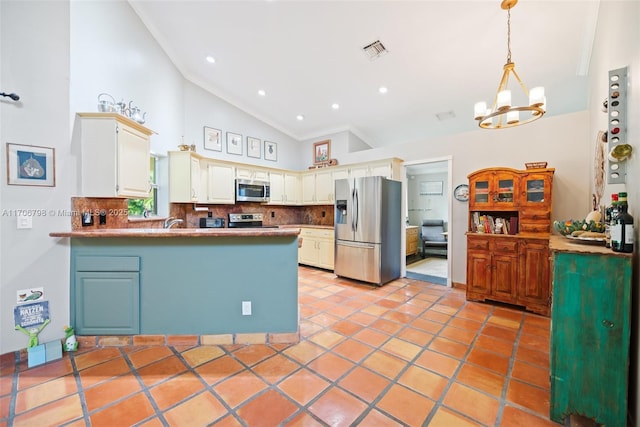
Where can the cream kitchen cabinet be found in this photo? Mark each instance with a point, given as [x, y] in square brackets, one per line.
[388, 168]
[186, 180]
[252, 173]
[220, 183]
[115, 154]
[284, 188]
[317, 187]
[317, 248]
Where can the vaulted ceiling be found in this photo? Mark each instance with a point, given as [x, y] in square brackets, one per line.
[442, 57]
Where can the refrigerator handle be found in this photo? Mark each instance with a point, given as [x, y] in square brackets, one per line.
[356, 208]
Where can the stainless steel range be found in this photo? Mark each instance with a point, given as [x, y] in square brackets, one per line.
[245, 220]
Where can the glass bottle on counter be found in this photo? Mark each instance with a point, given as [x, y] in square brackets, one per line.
[610, 212]
[622, 227]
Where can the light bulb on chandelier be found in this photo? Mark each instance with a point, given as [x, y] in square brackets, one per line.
[502, 110]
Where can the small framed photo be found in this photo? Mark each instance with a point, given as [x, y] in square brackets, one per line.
[212, 139]
[270, 151]
[31, 165]
[321, 152]
[254, 147]
[234, 143]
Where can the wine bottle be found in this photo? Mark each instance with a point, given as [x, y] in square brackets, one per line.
[610, 212]
[622, 227]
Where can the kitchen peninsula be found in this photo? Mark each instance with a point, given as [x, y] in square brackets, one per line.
[219, 284]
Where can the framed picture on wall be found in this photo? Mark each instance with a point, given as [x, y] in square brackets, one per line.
[234, 143]
[31, 165]
[270, 151]
[428, 188]
[321, 152]
[212, 139]
[254, 147]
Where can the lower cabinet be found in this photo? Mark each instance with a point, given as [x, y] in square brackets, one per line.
[590, 332]
[317, 248]
[412, 240]
[105, 297]
[509, 269]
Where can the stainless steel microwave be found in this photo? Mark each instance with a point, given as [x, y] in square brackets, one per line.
[252, 190]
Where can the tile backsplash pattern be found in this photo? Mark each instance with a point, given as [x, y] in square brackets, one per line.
[115, 210]
[116, 213]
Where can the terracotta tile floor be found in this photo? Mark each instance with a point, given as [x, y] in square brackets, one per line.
[409, 353]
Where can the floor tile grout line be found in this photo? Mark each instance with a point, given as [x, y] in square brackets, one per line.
[81, 390]
[14, 388]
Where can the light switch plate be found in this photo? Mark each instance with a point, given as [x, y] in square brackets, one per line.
[25, 221]
[246, 308]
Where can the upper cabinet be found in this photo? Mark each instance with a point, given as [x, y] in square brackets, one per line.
[252, 173]
[115, 155]
[493, 188]
[193, 178]
[185, 177]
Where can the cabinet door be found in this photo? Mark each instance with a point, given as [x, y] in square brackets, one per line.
[478, 273]
[291, 189]
[133, 163]
[535, 190]
[590, 332]
[533, 287]
[276, 182]
[504, 277]
[107, 303]
[221, 183]
[493, 189]
[324, 187]
[196, 180]
[381, 169]
[308, 188]
[309, 251]
[326, 250]
[359, 171]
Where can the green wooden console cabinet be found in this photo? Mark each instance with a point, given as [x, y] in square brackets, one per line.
[590, 331]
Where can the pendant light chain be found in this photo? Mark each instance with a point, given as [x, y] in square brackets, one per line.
[509, 36]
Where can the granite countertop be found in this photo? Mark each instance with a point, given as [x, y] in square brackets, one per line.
[180, 232]
[563, 244]
[324, 227]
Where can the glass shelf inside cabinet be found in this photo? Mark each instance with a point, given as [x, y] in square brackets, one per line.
[535, 190]
[481, 191]
[505, 190]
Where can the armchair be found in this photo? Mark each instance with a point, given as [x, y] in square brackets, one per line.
[433, 240]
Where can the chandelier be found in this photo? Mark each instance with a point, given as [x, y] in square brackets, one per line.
[502, 114]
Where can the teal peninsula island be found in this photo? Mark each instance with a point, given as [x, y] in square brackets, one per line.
[216, 284]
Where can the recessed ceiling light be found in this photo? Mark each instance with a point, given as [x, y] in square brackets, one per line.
[335, 106]
[211, 59]
[383, 89]
[262, 92]
[300, 117]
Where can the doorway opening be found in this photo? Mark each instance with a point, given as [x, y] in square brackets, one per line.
[427, 203]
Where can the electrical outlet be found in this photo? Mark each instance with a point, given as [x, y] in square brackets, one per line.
[273, 214]
[246, 308]
[25, 221]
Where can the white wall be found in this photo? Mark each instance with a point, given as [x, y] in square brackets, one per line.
[617, 44]
[427, 206]
[204, 109]
[35, 64]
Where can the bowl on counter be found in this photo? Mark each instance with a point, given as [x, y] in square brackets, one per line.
[573, 227]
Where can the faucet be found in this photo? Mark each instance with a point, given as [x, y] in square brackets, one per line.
[171, 221]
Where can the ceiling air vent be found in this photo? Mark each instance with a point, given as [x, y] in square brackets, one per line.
[375, 50]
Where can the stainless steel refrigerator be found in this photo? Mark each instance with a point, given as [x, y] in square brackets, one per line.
[368, 228]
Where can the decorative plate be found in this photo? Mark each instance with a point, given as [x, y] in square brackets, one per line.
[461, 192]
[592, 240]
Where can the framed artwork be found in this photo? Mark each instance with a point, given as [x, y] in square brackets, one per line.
[212, 139]
[430, 188]
[270, 151]
[234, 143]
[254, 147]
[31, 165]
[321, 152]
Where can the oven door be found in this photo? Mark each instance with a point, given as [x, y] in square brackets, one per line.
[252, 191]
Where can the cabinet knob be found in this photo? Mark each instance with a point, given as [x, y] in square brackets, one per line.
[608, 323]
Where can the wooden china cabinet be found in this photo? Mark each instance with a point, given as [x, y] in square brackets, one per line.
[508, 237]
